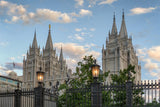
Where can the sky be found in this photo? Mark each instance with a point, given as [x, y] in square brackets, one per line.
[81, 27]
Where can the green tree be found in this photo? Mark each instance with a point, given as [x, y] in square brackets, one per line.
[83, 79]
[119, 95]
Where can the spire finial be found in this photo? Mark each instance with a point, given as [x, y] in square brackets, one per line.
[123, 13]
[114, 28]
[49, 26]
[114, 17]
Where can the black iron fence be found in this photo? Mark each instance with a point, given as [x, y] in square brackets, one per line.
[37, 97]
[141, 94]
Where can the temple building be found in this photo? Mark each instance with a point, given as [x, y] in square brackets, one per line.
[119, 52]
[55, 67]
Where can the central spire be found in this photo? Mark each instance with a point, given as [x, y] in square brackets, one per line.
[61, 55]
[114, 28]
[34, 43]
[49, 44]
[123, 31]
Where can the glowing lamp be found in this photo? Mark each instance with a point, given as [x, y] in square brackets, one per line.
[40, 76]
[95, 70]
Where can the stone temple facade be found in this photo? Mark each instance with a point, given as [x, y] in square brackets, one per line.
[55, 67]
[119, 52]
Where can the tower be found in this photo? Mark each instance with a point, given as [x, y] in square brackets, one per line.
[119, 52]
[55, 68]
[31, 64]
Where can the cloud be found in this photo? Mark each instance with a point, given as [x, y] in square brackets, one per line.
[147, 56]
[84, 12]
[79, 37]
[16, 13]
[107, 2]
[13, 65]
[153, 53]
[74, 53]
[3, 44]
[140, 10]
[78, 29]
[150, 65]
[12, 8]
[4, 71]
[79, 3]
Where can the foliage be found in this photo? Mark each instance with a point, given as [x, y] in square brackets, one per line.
[83, 79]
[120, 79]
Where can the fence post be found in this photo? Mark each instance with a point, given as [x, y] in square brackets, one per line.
[96, 95]
[17, 98]
[129, 97]
[39, 96]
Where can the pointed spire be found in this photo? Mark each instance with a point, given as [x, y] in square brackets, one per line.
[114, 28]
[123, 31]
[49, 44]
[61, 58]
[106, 40]
[34, 43]
[61, 55]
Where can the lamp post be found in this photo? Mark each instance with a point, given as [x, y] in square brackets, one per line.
[96, 93]
[95, 71]
[39, 91]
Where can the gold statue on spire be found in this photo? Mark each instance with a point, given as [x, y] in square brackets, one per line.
[49, 26]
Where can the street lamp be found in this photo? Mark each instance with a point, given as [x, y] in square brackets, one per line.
[40, 77]
[96, 98]
[95, 70]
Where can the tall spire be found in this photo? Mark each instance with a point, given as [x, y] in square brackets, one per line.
[114, 28]
[123, 31]
[61, 55]
[34, 43]
[61, 58]
[49, 44]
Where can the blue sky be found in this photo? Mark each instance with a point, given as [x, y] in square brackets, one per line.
[81, 27]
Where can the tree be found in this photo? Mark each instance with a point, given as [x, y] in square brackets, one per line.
[83, 79]
[119, 96]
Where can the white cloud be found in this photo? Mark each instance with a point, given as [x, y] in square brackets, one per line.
[141, 52]
[84, 12]
[78, 37]
[78, 29]
[19, 13]
[147, 56]
[75, 52]
[4, 70]
[79, 2]
[12, 8]
[150, 65]
[153, 53]
[107, 2]
[140, 10]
